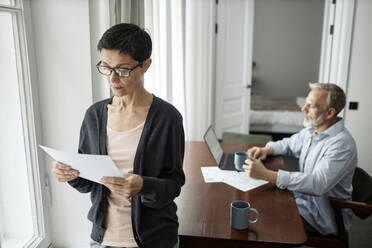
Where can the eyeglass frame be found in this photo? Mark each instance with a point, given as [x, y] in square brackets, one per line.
[116, 70]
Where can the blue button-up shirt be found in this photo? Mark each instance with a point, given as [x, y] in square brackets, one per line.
[326, 163]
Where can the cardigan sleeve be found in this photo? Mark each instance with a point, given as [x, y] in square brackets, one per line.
[158, 192]
[81, 184]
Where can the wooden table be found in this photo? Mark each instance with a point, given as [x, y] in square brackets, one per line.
[204, 208]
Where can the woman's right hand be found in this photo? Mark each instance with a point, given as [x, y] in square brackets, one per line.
[64, 172]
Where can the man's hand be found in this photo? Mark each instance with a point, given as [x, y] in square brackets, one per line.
[256, 169]
[260, 152]
[64, 172]
[127, 186]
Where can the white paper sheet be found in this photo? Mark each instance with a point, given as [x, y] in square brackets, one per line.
[238, 180]
[91, 167]
[211, 174]
[242, 181]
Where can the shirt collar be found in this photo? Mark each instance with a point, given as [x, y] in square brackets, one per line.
[335, 128]
[332, 130]
[311, 130]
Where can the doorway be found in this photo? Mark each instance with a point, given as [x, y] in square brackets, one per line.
[314, 38]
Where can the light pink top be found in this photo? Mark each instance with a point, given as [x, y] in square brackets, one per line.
[121, 147]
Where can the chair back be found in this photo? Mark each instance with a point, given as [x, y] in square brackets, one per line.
[361, 204]
[362, 189]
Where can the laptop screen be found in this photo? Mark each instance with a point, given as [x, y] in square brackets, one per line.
[212, 142]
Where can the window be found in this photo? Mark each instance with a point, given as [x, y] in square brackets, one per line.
[22, 214]
[7, 2]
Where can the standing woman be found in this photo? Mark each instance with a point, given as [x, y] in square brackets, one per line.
[144, 137]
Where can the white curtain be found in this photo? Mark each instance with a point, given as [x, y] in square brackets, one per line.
[182, 70]
[128, 11]
[158, 78]
[199, 66]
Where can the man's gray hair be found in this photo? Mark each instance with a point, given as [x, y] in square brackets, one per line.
[336, 97]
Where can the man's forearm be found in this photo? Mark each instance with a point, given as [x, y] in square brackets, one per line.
[271, 176]
[269, 150]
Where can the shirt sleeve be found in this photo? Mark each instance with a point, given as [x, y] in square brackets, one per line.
[158, 192]
[338, 160]
[291, 146]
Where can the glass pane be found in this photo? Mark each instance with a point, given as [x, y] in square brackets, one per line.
[7, 2]
[15, 207]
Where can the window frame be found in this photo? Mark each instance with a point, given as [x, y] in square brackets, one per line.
[37, 183]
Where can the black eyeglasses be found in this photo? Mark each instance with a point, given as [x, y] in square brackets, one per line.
[121, 72]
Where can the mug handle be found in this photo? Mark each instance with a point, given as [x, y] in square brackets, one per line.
[257, 215]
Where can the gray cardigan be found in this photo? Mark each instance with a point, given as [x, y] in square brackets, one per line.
[158, 159]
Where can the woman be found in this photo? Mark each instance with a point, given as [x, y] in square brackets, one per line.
[144, 136]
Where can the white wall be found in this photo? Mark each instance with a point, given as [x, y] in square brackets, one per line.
[62, 47]
[286, 48]
[359, 122]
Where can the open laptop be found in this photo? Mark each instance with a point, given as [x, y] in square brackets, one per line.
[224, 161]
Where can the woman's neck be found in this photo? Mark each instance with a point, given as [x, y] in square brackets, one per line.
[138, 98]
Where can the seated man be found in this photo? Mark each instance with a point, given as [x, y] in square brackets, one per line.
[327, 159]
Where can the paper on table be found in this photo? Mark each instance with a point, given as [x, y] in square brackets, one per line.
[91, 167]
[239, 180]
[242, 181]
[211, 174]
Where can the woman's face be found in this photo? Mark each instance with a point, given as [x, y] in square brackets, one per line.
[122, 86]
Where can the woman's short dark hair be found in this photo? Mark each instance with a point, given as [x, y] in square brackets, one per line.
[129, 39]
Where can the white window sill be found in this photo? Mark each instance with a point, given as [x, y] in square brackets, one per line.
[11, 243]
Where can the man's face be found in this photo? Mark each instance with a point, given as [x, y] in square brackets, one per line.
[315, 108]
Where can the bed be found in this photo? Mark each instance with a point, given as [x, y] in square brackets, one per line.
[280, 117]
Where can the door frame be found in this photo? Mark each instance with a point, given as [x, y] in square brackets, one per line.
[334, 53]
[336, 47]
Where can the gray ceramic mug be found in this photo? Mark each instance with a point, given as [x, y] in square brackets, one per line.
[239, 158]
[240, 215]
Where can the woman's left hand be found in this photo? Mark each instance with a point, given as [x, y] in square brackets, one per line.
[126, 186]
